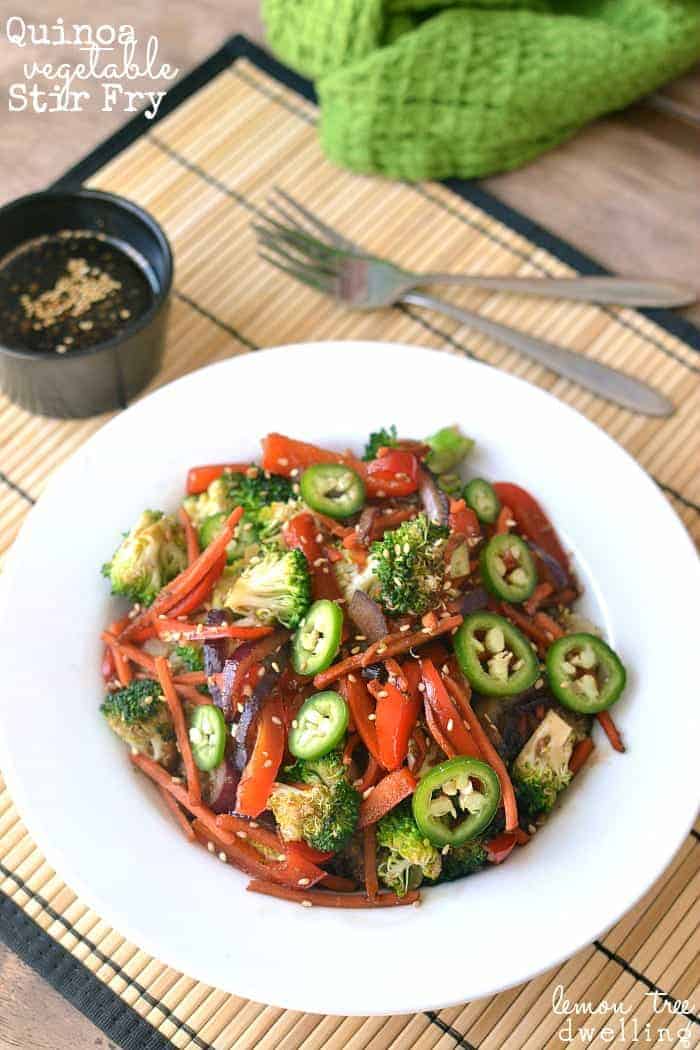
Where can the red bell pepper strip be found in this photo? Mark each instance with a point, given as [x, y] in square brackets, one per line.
[394, 788]
[463, 520]
[200, 478]
[436, 732]
[282, 455]
[178, 631]
[500, 848]
[394, 474]
[354, 691]
[450, 720]
[532, 520]
[259, 775]
[396, 716]
[303, 851]
[300, 533]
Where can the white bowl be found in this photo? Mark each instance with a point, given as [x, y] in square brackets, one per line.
[104, 828]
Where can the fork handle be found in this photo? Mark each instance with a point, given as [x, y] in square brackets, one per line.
[618, 290]
[607, 382]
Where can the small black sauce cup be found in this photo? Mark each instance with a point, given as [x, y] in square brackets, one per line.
[108, 375]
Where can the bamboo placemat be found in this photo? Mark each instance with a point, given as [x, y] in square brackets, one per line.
[204, 171]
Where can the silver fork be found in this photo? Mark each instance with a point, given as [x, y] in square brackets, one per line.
[340, 269]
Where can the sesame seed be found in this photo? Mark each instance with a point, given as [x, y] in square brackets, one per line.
[304, 882]
[283, 462]
[368, 791]
[294, 472]
[355, 650]
[242, 834]
[360, 637]
[276, 721]
[239, 708]
[352, 678]
[267, 763]
[222, 857]
[450, 725]
[307, 904]
[261, 672]
[380, 494]
[539, 683]
[405, 627]
[211, 847]
[295, 724]
[445, 850]
[531, 828]
[372, 717]
[381, 647]
[319, 537]
[421, 687]
[319, 561]
[275, 666]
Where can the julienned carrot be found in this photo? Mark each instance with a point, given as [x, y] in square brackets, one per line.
[121, 666]
[394, 788]
[191, 694]
[356, 696]
[611, 730]
[191, 537]
[178, 716]
[448, 717]
[176, 631]
[527, 625]
[143, 628]
[489, 753]
[239, 851]
[191, 678]
[180, 817]
[391, 645]
[540, 593]
[550, 627]
[326, 899]
[369, 851]
[338, 883]
[130, 652]
[183, 584]
[580, 755]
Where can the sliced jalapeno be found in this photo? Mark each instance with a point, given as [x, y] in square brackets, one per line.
[507, 568]
[456, 800]
[317, 638]
[482, 499]
[320, 725]
[332, 489]
[495, 657]
[207, 736]
[584, 673]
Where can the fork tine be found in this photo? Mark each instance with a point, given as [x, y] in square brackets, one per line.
[297, 239]
[320, 285]
[295, 260]
[332, 235]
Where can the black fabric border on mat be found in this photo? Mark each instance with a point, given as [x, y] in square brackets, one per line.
[74, 981]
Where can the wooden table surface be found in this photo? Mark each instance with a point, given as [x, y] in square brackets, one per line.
[625, 191]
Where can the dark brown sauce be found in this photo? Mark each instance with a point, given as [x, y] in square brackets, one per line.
[69, 291]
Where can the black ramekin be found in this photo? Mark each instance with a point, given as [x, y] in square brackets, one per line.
[105, 376]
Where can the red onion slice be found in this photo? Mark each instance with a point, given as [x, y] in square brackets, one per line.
[367, 617]
[435, 502]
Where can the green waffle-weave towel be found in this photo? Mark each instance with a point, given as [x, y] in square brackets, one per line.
[419, 89]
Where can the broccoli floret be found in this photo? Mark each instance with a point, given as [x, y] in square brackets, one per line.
[448, 447]
[187, 658]
[541, 770]
[139, 715]
[257, 489]
[274, 586]
[149, 556]
[410, 565]
[380, 439]
[267, 501]
[404, 856]
[464, 859]
[352, 577]
[324, 811]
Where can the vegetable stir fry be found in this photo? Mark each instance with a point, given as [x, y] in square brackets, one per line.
[352, 676]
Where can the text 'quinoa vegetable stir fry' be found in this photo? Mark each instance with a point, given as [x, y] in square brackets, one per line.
[350, 677]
